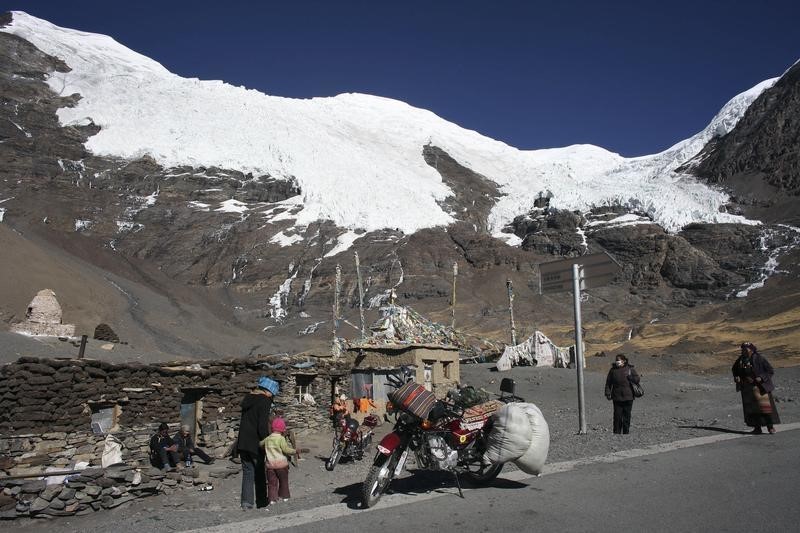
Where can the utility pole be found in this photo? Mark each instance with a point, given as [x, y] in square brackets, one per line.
[577, 272]
[510, 287]
[337, 287]
[453, 297]
[360, 298]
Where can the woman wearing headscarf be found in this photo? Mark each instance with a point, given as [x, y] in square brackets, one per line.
[619, 390]
[752, 374]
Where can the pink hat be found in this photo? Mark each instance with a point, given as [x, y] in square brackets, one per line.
[279, 425]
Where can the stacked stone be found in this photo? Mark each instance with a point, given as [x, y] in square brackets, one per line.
[45, 411]
[92, 490]
[30, 453]
[217, 435]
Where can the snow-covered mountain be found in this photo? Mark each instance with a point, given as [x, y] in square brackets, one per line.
[357, 158]
[195, 217]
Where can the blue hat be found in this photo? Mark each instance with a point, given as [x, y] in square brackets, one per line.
[269, 384]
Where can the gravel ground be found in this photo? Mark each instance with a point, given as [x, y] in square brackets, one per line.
[676, 406]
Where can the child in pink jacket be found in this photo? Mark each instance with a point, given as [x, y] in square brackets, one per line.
[277, 449]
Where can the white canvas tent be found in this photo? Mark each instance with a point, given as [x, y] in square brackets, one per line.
[537, 350]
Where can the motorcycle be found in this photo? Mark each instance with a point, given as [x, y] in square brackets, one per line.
[350, 440]
[452, 438]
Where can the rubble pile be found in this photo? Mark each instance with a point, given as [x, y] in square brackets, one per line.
[402, 325]
[93, 489]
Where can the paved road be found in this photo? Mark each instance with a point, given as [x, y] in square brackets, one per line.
[724, 482]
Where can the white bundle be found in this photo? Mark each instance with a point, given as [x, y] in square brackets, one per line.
[510, 436]
[519, 434]
[532, 461]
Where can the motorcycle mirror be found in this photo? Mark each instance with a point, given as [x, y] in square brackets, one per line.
[394, 381]
[407, 373]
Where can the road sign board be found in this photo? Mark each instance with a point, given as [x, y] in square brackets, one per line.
[591, 270]
[595, 270]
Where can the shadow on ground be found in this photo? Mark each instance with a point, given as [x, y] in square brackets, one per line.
[718, 429]
[421, 482]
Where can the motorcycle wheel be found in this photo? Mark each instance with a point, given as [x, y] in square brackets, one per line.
[483, 475]
[333, 460]
[479, 472]
[380, 475]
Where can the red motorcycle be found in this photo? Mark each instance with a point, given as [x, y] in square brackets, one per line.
[351, 440]
[451, 436]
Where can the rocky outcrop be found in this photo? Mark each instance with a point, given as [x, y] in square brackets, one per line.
[708, 260]
[474, 195]
[687, 267]
[551, 232]
[641, 249]
[764, 145]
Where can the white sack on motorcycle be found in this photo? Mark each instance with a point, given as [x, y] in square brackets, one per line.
[532, 461]
[510, 436]
[520, 434]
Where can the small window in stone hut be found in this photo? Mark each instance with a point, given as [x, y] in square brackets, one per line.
[105, 418]
[302, 387]
[446, 370]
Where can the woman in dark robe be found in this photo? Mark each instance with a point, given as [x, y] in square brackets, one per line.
[619, 390]
[753, 376]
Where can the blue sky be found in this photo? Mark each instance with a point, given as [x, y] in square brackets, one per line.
[632, 77]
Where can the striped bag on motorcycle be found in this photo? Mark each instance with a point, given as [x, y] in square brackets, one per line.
[413, 398]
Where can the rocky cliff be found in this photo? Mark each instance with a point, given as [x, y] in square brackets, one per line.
[759, 161]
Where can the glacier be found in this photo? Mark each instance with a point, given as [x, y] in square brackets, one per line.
[357, 158]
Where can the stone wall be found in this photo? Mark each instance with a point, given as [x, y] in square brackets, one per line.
[416, 356]
[46, 405]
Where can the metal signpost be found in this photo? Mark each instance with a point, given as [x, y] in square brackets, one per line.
[360, 298]
[510, 288]
[578, 273]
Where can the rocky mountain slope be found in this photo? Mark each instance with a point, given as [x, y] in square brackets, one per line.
[758, 160]
[185, 256]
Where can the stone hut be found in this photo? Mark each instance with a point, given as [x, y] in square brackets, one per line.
[43, 317]
[401, 337]
[56, 412]
[59, 415]
[436, 367]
